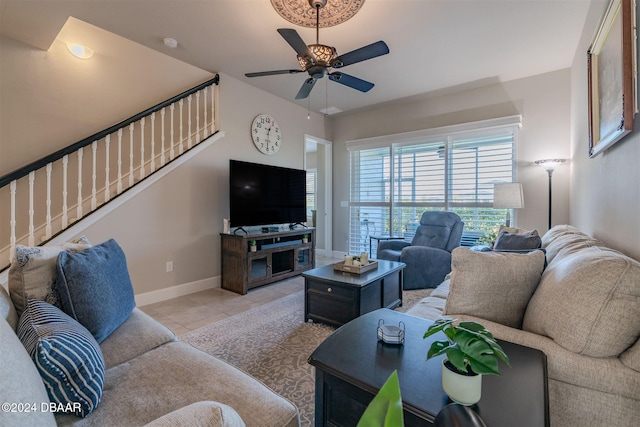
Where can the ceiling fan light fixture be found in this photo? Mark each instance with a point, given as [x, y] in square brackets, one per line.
[305, 63]
[322, 54]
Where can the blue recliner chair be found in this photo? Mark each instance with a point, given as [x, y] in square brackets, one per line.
[428, 256]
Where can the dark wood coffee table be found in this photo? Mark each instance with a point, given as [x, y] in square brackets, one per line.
[336, 297]
[351, 366]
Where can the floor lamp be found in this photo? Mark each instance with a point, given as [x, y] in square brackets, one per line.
[508, 196]
[550, 165]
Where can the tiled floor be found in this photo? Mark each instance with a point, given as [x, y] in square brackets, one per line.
[193, 311]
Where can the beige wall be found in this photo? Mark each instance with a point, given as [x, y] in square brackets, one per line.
[178, 218]
[543, 102]
[50, 99]
[605, 190]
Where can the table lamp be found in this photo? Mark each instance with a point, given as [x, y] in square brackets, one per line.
[508, 196]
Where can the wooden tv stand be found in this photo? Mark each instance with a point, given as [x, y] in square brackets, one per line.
[278, 255]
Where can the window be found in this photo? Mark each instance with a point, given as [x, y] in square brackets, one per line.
[311, 191]
[394, 179]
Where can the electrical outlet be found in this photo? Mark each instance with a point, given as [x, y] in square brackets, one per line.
[169, 266]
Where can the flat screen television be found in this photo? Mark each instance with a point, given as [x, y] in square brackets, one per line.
[264, 194]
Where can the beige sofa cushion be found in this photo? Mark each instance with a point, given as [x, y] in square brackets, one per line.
[175, 375]
[588, 302]
[137, 335]
[495, 286]
[555, 240]
[558, 231]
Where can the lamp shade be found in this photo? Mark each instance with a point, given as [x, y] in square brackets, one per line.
[508, 195]
[550, 164]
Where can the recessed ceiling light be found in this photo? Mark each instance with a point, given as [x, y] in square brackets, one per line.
[80, 51]
[169, 42]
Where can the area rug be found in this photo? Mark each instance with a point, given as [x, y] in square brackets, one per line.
[272, 344]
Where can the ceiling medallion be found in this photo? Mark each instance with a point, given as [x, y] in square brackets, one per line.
[301, 12]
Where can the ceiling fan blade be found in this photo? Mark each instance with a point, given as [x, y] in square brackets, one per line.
[352, 82]
[367, 52]
[272, 73]
[305, 90]
[293, 38]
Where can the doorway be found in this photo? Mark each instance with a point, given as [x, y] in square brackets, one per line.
[318, 157]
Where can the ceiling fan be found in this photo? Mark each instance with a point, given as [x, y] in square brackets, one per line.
[318, 59]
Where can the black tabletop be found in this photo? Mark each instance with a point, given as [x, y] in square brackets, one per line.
[327, 273]
[353, 353]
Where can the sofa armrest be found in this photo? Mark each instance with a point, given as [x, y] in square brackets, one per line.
[394, 245]
[206, 414]
[603, 374]
[426, 266]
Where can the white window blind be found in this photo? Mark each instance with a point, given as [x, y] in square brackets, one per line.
[370, 196]
[311, 191]
[392, 186]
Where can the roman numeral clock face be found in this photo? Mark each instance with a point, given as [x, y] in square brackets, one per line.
[266, 134]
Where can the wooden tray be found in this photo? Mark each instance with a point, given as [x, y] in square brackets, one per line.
[357, 269]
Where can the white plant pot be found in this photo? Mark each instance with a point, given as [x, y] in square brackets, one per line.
[252, 248]
[463, 389]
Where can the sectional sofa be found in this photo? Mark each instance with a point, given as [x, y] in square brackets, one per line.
[139, 374]
[582, 310]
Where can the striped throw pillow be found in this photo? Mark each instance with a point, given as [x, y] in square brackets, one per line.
[66, 355]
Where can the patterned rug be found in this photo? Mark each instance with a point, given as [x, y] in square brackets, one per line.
[272, 344]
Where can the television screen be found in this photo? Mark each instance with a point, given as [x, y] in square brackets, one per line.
[264, 194]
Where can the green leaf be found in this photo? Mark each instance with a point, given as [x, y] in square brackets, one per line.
[481, 358]
[437, 348]
[437, 326]
[385, 410]
[456, 357]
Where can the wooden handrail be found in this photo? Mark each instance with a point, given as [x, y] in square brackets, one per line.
[38, 164]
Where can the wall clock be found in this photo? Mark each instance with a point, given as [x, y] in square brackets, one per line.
[266, 134]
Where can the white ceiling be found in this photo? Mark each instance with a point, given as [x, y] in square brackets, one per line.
[434, 45]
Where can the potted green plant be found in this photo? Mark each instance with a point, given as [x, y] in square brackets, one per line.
[253, 245]
[471, 351]
[488, 239]
[305, 238]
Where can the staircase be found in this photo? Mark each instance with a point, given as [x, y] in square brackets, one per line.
[54, 198]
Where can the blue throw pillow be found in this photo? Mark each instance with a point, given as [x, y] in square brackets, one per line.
[66, 355]
[95, 288]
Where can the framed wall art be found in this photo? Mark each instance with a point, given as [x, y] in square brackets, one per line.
[612, 73]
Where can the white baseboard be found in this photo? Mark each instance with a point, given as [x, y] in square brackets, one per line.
[159, 295]
[177, 291]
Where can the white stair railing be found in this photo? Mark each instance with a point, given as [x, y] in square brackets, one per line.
[35, 199]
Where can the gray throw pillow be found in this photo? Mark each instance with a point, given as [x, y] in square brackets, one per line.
[95, 288]
[512, 241]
